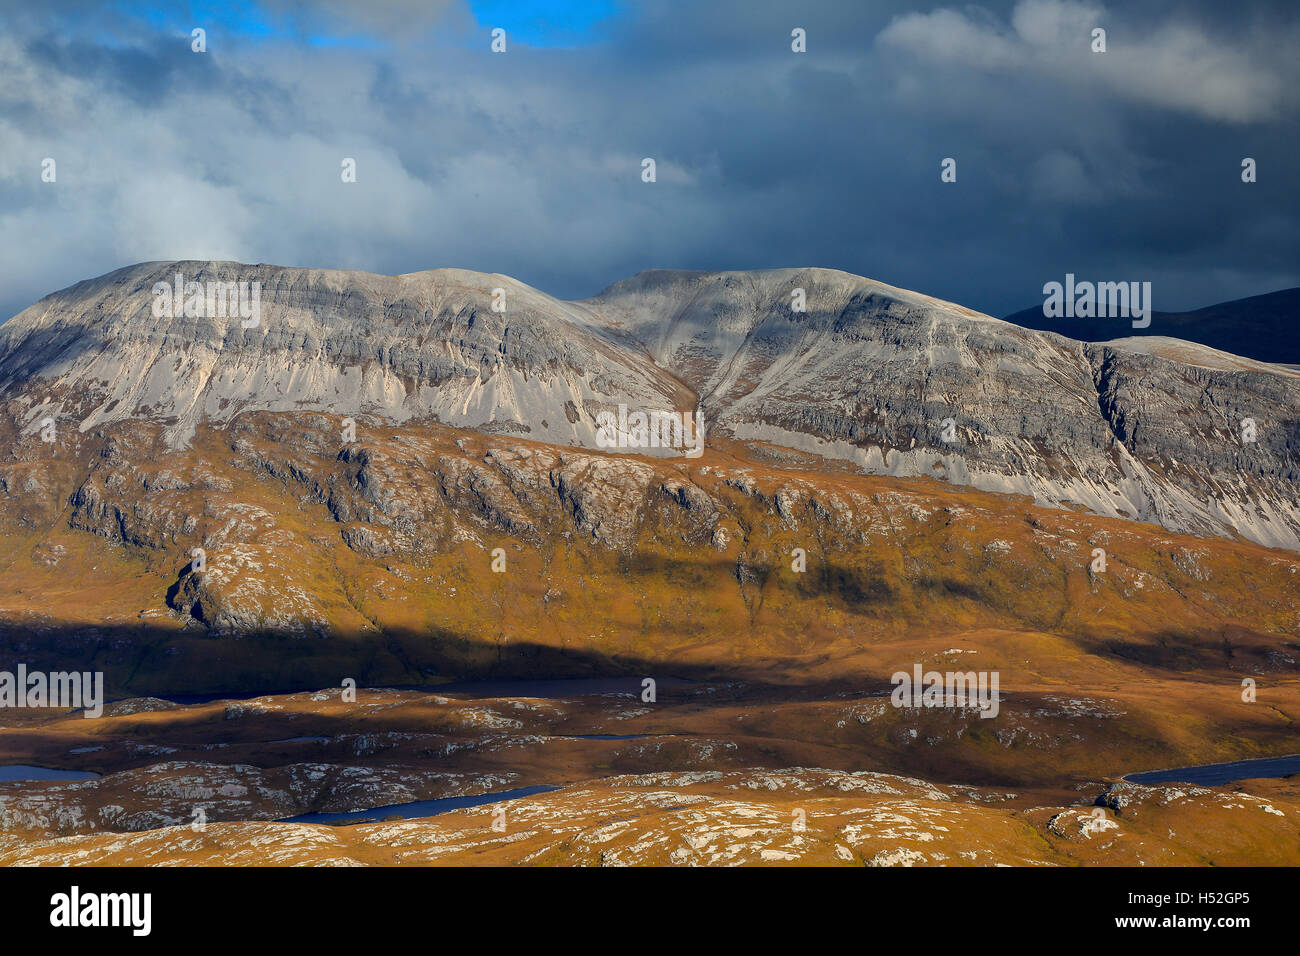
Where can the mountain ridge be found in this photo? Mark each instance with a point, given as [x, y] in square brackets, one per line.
[891, 381]
[1258, 326]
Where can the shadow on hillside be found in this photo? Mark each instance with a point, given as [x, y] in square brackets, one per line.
[145, 660]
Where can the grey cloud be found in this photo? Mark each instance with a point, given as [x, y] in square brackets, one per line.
[1176, 65]
[529, 163]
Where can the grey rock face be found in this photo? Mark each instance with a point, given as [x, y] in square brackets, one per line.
[906, 385]
[894, 381]
[427, 345]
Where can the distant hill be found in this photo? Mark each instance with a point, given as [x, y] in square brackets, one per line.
[1261, 327]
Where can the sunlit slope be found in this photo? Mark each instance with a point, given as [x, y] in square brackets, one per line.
[374, 559]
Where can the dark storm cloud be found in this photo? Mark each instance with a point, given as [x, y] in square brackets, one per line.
[1117, 165]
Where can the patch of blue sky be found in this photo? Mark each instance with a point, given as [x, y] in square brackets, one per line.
[553, 23]
[534, 23]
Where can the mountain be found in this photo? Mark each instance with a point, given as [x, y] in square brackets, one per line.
[1259, 327]
[873, 377]
[472, 528]
[427, 345]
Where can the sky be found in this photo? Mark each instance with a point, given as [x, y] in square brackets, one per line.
[1123, 165]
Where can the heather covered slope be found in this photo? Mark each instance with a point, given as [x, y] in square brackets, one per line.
[736, 819]
[729, 774]
[374, 560]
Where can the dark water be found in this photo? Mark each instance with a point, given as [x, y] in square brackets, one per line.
[1217, 774]
[20, 771]
[418, 808]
